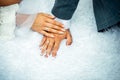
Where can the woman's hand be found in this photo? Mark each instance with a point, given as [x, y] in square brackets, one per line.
[8, 2]
[46, 25]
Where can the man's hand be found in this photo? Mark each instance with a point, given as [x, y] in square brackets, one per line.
[45, 24]
[51, 45]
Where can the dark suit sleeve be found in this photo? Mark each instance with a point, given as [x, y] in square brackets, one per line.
[64, 9]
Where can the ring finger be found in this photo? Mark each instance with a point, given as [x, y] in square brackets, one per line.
[53, 30]
[55, 27]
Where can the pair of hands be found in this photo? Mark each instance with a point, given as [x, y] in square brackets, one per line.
[52, 30]
[53, 33]
[51, 45]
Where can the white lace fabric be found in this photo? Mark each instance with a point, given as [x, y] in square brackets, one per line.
[25, 19]
[8, 21]
[9, 18]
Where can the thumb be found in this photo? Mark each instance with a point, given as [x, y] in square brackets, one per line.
[69, 38]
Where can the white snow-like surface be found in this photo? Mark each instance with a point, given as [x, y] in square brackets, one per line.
[92, 56]
[7, 21]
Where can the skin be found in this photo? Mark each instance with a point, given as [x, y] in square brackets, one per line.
[8, 2]
[43, 24]
[49, 46]
[53, 36]
[46, 25]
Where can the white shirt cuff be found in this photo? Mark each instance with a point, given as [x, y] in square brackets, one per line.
[65, 22]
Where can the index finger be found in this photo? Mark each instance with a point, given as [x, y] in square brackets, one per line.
[48, 15]
[55, 22]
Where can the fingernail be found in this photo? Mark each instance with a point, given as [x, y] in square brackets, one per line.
[63, 29]
[52, 36]
[61, 32]
[68, 44]
[41, 54]
[54, 56]
[46, 56]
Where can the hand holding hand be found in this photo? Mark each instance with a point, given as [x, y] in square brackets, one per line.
[46, 25]
[51, 45]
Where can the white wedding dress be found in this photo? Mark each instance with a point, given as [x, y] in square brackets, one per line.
[92, 56]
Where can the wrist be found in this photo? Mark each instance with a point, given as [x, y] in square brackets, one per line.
[65, 22]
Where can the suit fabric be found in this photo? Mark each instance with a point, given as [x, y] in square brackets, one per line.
[107, 12]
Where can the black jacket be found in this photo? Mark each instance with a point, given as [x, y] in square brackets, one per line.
[107, 12]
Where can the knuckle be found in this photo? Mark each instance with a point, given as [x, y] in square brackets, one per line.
[49, 45]
[43, 24]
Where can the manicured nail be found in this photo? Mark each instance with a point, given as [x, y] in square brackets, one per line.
[61, 32]
[63, 29]
[41, 54]
[52, 36]
[67, 44]
[53, 16]
[46, 56]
